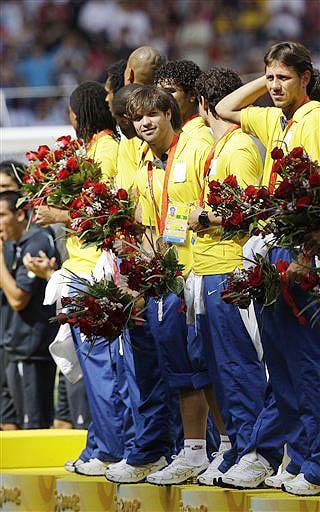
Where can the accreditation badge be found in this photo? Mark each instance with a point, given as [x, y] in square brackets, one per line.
[176, 226]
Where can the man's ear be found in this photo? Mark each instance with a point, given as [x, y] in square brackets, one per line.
[204, 104]
[306, 77]
[168, 114]
[20, 215]
[192, 97]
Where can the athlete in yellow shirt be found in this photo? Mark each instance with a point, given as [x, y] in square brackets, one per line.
[169, 180]
[238, 377]
[179, 78]
[292, 351]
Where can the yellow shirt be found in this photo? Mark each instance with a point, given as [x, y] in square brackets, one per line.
[237, 154]
[129, 155]
[104, 150]
[184, 185]
[196, 129]
[264, 123]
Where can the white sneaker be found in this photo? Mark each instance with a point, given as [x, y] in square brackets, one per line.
[178, 472]
[301, 487]
[70, 465]
[277, 480]
[127, 474]
[212, 473]
[117, 464]
[94, 467]
[249, 473]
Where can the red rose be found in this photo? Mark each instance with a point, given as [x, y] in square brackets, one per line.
[31, 156]
[277, 154]
[214, 199]
[236, 218]
[314, 179]
[64, 140]
[231, 180]
[58, 154]
[114, 209]
[37, 175]
[309, 281]
[77, 203]
[72, 164]
[214, 184]
[63, 174]
[255, 278]
[88, 183]
[107, 244]
[303, 201]
[250, 191]
[284, 189]
[122, 194]
[263, 193]
[28, 179]
[296, 152]
[43, 166]
[125, 267]
[102, 220]
[282, 266]
[100, 189]
[43, 151]
[86, 224]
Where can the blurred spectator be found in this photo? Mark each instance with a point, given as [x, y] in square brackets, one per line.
[70, 41]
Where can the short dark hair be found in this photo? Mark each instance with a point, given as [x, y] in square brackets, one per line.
[115, 75]
[293, 55]
[12, 197]
[215, 84]
[12, 168]
[88, 102]
[183, 73]
[148, 98]
[120, 99]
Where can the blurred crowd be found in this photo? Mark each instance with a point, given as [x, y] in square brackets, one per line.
[64, 42]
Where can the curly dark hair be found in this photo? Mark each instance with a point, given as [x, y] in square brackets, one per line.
[115, 75]
[88, 102]
[183, 73]
[215, 84]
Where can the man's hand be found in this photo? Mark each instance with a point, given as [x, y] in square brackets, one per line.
[45, 215]
[298, 268]
[41, 265]
[193, 221]
[313, 242]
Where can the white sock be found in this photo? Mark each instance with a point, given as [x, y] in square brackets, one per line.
[225, 443]
[195, 451]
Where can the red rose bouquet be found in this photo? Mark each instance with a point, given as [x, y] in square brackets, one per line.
[296, 199]
[153, 275]
[101, 214]
[264, 282]
[240, 209]
[100, 309]
[54, 176]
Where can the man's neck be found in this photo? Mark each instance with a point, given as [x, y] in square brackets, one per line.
[290, 111]
[218, 126]
[160, 147]
[191, 112]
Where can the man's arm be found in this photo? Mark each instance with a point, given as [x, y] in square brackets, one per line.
[230, 106]
[45, 215]
[16, 297]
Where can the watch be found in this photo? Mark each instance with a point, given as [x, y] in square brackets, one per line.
[203, 219]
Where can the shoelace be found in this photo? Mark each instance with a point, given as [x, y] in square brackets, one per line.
[243, 463]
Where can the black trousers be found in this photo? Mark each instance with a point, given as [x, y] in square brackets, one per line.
[7, 410]
[31, 385]
[72, 404]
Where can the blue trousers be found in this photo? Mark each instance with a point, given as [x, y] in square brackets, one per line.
[292, 355]
[149, 398]
[238, 377]
[104, 386]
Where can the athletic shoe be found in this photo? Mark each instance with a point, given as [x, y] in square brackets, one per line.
[277, 480]
[117, 464]
[93, 467]
[180, 471]
[211, 475]
[127, 474]
[249, 473]
[301, 487]
[70, 465]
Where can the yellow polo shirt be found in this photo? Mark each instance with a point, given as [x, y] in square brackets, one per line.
[236, 153]
[128, 160]
[264, 123]
[196, 129]
[83, 259]
[184, 185]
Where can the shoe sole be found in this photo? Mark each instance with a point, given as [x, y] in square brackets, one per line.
[225, 485]
[293, 494]
[126, 482]
[189, 481]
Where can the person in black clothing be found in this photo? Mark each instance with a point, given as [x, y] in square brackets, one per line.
[25, 327]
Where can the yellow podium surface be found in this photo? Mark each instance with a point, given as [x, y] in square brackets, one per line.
[33, 480]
